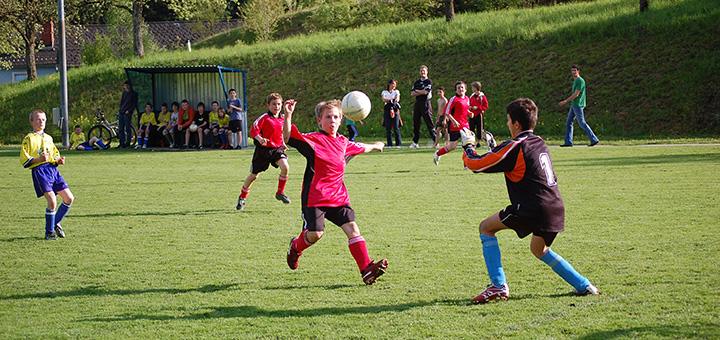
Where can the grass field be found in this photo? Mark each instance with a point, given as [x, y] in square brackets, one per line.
[155, 249]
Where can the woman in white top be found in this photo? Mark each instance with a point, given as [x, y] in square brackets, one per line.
[391, 117]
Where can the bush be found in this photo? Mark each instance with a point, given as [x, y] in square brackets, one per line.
[355, 13]
[262, 17]
[98, 51]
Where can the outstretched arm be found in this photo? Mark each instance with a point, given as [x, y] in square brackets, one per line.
[287, 124]
[379, 146]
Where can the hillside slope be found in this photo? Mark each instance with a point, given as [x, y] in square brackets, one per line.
[648, 74]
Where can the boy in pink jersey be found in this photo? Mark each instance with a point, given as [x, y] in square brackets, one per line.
[324, 194]
[267, 135]
[456, 111]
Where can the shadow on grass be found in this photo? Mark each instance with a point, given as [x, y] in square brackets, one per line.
[99, 291]
[702, 330]
[641, 160]
[326, 287]
[255, 312]
[225, 211]
[22, 238]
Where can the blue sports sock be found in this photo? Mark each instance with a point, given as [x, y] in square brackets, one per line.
[101, 144]
[563, 268]
[61, 212]
[491, 253]
[140, 141]
[49, 221]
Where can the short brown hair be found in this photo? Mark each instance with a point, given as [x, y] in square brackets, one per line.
[524, 111]
[35, 112]
[272, 97]
[476, 85]
[325, 105]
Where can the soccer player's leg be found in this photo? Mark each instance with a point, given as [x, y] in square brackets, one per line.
[540, 247]
[370, 270]
[67, 200]
[312, 231]
[498, 289]
[50, 215]
[282, 179]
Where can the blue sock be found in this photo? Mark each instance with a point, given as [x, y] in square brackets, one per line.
[563, 268]
[49, 221]
[491, 253]
[61, 212]
[140, 141]
[101, 144]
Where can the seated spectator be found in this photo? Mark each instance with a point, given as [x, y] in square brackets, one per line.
[210, 133]
[147, 122]
[201, 122]
[224, 129]
[186, 117]
[171, 128]
[77, 141]
[163, 118]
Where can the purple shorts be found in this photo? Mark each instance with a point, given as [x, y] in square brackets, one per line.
[47, 178]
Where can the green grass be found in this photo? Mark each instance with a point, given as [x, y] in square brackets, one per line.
[155, 249]
[651, 75]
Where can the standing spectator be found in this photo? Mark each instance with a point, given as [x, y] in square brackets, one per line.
[352, 130]
[236, 111]
[441, 130]
[391, 116]
[128, 105]
[577, 110]
[147, 121]
[422, 91]
[478, 106]
[186, 117]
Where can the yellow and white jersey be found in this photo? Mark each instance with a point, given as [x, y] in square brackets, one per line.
[148, 118]
[33, 146]
[76, 139]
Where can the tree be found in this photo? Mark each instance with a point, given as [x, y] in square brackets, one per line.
[262, 16]
[449, 10]
[644, 4]
[22, 21]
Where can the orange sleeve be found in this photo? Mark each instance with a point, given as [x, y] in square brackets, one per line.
[497, 160]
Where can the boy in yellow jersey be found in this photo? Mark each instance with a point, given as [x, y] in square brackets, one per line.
[40, 155]
[77, 141]
[147, 121]
[163, 119]
[224, 128]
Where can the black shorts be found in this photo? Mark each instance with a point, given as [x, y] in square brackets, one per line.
[524, 225]
[264, 157]
[314, 218]
[454, 135]
[235, 125]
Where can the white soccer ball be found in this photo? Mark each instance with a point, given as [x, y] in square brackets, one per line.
[356, 106]
[193, 127]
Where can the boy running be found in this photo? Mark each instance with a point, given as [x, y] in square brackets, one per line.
[535, 203]
[456, 111]
[270, 149]
[40, 155]
[324, 194]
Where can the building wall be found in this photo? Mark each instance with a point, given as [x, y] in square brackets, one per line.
[18, 74]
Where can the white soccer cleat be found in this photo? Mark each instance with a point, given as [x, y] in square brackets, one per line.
[414, 146]
[589, 290]
[467, 137]
[436, 158]
[490, 140]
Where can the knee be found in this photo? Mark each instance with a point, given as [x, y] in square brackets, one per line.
[314, 236]
[485, 228]
[537, 251]
[69, 199]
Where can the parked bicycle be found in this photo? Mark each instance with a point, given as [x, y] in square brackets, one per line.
[108, 131]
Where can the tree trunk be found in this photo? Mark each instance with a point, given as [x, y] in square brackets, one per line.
[644, 5]
[137, 27]
[449, 10]
[30, 45]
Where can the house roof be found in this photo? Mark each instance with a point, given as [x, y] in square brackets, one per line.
[166, 34]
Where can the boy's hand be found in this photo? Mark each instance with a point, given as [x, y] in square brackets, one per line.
[261, 140]
[290, 106]
[43, 157]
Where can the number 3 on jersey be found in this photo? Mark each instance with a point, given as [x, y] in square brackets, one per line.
[547, 167]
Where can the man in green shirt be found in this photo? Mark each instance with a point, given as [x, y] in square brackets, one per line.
[577, 108]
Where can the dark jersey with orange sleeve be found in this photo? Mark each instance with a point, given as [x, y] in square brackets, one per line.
[529, 176]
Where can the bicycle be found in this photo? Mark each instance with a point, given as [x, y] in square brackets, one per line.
[108, 131]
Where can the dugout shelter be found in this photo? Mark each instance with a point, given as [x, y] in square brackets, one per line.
[202, 83]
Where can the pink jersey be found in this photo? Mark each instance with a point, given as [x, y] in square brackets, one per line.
[323, 184]
[270, 128]
[480, 101]
[458, 107]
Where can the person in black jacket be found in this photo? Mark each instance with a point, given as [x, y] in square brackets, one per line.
[128, 104]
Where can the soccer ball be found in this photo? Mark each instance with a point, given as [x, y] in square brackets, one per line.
[193, 127]
[356, 106]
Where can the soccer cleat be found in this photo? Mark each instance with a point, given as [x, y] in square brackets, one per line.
[589, 290]
[594, 143]
[490, 140]
[50, 236]
[373, 271]
[137, 146]
[144, 146]
[282, 197]
[59, 231]
[414, 146]
[292, 255]
[491, 293]
[240, 204]
[436, 158]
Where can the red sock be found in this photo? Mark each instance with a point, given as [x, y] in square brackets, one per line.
[359, 252]
[442, 151]
[301, 243]
[282, 180]
[244, 192]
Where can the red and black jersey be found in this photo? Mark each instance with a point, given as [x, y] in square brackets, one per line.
[458, 108]
[270, 128]
[480, 101]
[326, 156]
[529, 176]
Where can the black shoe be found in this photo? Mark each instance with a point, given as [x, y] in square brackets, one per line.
[59, 231]
[240, 204]
[282, 198]
[50, 236]
[565, 145]
[594, 143]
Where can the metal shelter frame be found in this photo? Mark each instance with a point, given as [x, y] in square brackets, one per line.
[203, 83]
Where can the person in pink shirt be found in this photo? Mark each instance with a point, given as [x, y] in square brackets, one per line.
[324, 195]
[457, 111]
[267, 135]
